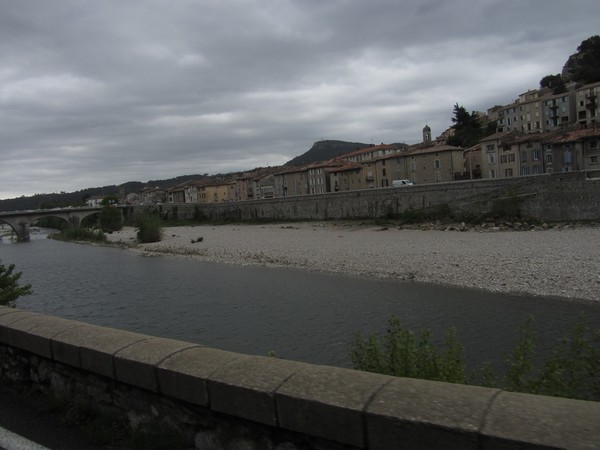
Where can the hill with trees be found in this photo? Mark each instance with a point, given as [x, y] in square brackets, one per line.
[324, 150]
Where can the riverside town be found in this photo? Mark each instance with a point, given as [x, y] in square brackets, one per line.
[539, 132]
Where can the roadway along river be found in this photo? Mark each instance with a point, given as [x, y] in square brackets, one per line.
[299, 315]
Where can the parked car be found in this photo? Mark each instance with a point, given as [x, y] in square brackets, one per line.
[400, 183]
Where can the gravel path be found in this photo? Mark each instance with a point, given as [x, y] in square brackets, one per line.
[554, 262]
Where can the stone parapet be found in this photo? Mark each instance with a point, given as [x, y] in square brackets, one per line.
[218, 399]
[573, 196]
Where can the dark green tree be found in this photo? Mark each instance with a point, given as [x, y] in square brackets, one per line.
[9, 286]
[554, 82]
[468, 129]
[110, 218]
[584, 66]
[110, 200]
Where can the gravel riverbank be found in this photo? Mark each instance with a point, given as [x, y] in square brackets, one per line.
[562, 262]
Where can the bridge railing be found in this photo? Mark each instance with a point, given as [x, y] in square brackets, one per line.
[219, 399]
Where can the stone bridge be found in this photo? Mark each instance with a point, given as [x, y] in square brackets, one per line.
[20, 221]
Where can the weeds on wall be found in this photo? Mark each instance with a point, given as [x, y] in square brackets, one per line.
[571, 370]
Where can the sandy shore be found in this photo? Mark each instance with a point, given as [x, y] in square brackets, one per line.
[555, 262]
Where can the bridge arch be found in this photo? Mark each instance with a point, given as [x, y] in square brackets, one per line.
[20, 221]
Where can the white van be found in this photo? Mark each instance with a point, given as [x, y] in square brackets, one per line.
[400, 183]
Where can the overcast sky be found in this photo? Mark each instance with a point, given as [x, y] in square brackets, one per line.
[94, 93]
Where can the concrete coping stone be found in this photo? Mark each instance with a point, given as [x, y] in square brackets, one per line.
[92, 347]
[328, 402]
[7, 310]
[543, 422]
[136, 363]
[184, 374]
[34, 333]
[8, 318]
[422, 414]
[246, 387]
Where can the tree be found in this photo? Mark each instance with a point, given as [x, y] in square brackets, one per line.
[584, 66]
[554, 82]
[111, 219]
[109, 200]
[468, 129]
[9, 286]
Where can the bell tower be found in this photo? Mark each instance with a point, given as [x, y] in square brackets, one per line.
[427, 135]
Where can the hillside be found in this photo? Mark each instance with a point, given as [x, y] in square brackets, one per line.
[63, 199]
[324, 150]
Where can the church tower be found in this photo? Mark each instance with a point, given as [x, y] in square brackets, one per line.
[427, 135]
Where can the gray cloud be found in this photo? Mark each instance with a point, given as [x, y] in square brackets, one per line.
[95, 93]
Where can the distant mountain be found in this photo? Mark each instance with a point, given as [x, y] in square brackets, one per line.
[324, 150]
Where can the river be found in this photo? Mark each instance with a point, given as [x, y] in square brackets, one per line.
[299, 315]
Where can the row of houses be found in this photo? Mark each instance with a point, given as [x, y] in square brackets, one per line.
[502, 155]
[513, 153]
[540, 132]
[540, 110]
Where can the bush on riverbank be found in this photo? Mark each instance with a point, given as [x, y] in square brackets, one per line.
[149, 228]
[572, 370]
[111, 219]
[79, 234]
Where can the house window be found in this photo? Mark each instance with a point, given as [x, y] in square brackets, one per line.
[536, 155]
[536, 170]
[438, 176]
[508, 173]
[594, 160]
[436, 164]
[568, 157]
[383, 172]
[492, 173]
[503, 159]
[593, 144]
[511, 157]
[525, 170]
[523, 156]
[549, 158]
[490, 147]
[413, 166]
[492, 158]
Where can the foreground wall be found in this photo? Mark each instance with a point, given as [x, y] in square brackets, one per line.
[216, 399]
[549, 197]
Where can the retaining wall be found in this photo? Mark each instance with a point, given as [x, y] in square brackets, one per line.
[549, 197]
[215, 399]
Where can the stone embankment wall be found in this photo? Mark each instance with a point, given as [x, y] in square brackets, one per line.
[571, 196]
[214, 399]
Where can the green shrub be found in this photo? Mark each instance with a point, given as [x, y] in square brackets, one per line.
[571, 370]
[80, 234]
[401, 354]
[149, 228]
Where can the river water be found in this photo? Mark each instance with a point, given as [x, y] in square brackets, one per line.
[299, 315]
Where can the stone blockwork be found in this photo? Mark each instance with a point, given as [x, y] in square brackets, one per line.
[571, 196]
[212, 399]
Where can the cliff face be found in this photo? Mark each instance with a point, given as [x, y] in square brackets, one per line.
[324, 150]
